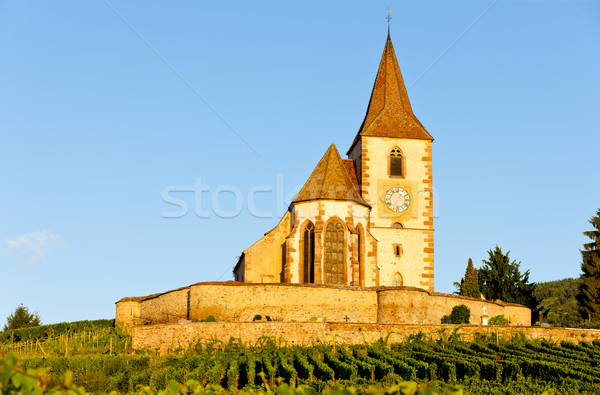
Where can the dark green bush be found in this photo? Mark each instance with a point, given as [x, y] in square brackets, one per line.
[499, 320]
[257, 317]
[461, 314]
[210, 318]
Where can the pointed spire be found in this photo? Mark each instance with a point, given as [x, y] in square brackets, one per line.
[330, 180]
[389, 113]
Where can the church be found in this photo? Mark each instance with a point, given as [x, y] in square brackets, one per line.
[359, 230]
[365, 220]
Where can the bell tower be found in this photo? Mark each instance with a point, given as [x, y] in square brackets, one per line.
[392, 156]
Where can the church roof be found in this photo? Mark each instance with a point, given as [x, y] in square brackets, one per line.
[332, 179]
[349, 163]
[389, 113]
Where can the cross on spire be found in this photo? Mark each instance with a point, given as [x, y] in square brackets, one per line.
[389, 17]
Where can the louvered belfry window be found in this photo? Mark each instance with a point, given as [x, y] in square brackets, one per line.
[334, 253]
[396, 165]
[309, 254]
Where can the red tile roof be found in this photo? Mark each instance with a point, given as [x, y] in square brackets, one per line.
[332, 179]
[349, 163]
[389, 113]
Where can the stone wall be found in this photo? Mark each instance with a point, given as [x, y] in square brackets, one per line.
[413, 306]
[169, 307]
[168, 337]
[263, 261]
[128, 309]
[282, 302]
[234, 301]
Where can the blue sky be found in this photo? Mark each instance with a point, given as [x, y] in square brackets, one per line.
[97, 121]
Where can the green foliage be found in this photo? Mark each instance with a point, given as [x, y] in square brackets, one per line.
[460, 314]
[210, 318]
[439, 366]
[101, 340]
[499, 278]
[558, 303]
[499, 320]
[469, 284]
[45, 331]
[588, 296]
[22, 318]
[15, 380]
[259, 317]
[595, 324]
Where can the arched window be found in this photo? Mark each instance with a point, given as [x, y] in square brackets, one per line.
[361, 251]
[309, 254]
[397, 280]
[397, 225]
[334, 253]
[396, 163]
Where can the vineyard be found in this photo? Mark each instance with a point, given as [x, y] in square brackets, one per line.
[101, 360]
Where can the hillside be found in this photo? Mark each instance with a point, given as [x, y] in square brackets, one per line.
[101, 359]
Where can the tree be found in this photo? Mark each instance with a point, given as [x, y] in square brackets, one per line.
[469, 284]
[499, 278]
[461, 314]
[557, 302]
[588, 296]
[22, 318]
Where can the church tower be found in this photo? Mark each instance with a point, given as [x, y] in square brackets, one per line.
[392, 157]
[364, 221]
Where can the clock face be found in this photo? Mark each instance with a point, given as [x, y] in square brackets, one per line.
[397, 199]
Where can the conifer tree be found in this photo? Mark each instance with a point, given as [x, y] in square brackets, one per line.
[469, 284]
[499, 278]
[589, 288]
[22, 318]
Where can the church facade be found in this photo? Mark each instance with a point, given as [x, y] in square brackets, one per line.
[365, 220]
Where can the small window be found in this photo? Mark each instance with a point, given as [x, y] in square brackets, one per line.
[397, 225]
[396, 163]
[398, 250]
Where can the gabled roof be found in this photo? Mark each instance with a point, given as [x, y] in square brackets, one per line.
[389, 113]
[331, 180]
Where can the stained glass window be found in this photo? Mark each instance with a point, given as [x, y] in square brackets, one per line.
[334, 253]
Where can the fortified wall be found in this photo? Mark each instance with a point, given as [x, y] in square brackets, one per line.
[233, 301]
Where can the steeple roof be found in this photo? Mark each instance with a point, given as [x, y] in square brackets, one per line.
[331, 180]
[389, 113]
